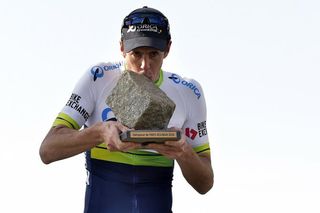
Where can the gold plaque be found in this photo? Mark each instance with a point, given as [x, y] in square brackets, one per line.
[152, 136]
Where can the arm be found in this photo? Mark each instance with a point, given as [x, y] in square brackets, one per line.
[196, 168]
[63, 142]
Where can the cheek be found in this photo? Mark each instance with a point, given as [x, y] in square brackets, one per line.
[133, 66]
[157, 64]
[130, 64]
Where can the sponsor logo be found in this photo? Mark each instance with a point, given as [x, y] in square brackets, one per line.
[144, 28]
[112, 67]
[191, 133]
[202, 128]
[98, 71]
[105, 113]
[74, 104]
[191, 86]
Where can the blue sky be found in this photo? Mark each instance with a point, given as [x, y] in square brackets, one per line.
[257, 61]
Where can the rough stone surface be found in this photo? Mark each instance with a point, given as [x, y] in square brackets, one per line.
[138, 103]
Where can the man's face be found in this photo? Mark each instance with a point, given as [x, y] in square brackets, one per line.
[145, 60]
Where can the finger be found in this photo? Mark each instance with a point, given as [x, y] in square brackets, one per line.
[130, 145]
[121, 128]
[175, 143]
[172, 143]
[111, 148]
[152, 146]
[158, 147]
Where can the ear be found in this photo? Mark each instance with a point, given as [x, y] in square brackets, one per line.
[167, 50]
[122, 48]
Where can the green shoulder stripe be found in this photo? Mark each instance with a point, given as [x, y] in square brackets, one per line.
[64, 119]
[205, 148]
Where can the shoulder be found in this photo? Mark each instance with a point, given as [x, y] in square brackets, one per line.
[188, 86]
[99, 76]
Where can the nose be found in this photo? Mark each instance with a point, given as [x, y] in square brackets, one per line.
[145, 63]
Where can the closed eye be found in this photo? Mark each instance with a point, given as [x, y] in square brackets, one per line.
[154, 54]
[136, 54]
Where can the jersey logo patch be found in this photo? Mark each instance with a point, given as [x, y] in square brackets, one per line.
[97, 72]
[202, 128]
[201, 131]
[191, 133]
[187, 84]
[74, 103]
[107, 115]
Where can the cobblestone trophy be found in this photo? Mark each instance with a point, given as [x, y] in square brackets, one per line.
[140, 105]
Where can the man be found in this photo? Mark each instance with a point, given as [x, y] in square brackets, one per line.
[126, 176]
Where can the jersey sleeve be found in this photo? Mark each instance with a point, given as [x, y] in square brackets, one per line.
[80, 104]
[195, 127]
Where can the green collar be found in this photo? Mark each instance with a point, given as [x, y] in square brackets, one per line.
[160, 79]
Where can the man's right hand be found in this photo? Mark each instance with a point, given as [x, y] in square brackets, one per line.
[110, 134]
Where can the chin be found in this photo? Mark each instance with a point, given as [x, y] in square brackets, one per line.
[151, 78]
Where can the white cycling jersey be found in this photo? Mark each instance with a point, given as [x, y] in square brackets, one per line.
[87, 105]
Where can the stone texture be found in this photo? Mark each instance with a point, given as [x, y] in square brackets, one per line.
[138, 103]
